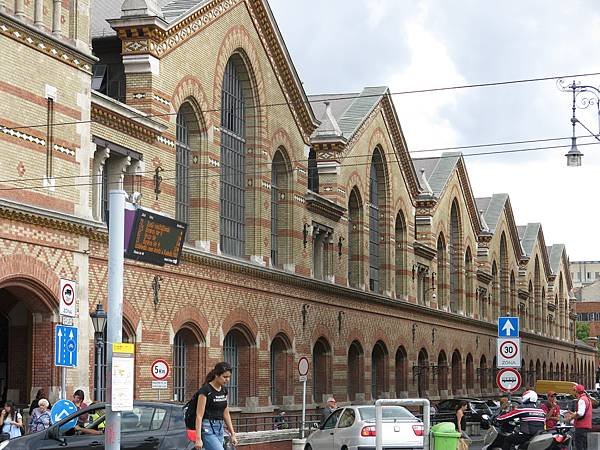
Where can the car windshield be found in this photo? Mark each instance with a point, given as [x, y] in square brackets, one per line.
[480, 407]
[388, 412]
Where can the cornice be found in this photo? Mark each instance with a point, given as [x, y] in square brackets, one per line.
[523, 294]
[45, 43]
[125, 119]
[484, 277]
[469, 197]
[514, 233]
[324, 206]
[424, 251]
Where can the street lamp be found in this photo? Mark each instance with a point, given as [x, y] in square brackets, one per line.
[99, 321]
[587, 95]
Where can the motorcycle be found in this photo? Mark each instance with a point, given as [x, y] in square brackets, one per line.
[559, 438]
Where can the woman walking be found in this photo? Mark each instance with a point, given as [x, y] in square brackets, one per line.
[461, 425]
[11, 421]
[212, 412]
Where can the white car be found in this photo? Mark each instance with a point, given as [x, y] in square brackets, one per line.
[353, 428]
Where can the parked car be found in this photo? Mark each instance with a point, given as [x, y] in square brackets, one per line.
[353, 428]
[150, 426]
[477, 411]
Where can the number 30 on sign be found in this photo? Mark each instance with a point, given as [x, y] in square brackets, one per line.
[509, 352]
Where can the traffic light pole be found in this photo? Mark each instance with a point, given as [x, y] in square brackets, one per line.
[116, 245]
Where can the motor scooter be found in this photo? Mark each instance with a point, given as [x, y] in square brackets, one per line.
[559, 438]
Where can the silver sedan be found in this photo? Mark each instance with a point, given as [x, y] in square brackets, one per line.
[353, 428]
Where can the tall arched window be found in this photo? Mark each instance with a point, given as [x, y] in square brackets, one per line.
[560, 312]
[483, 373]
[470, 378]
[237, 352]
[280, 219]
[401, 235]
[313, 171]
[513, 294]
[456, 372]
[531, 308]
[537, 286]
[186, 128]
[376, 226]
[544, 311]
[495, 290]
[356, 370]
[401, 371]
[504, 292]
[379, 372]
[281, 369]
[188, 363]
[441, 272]
[355, 226]
[469, 284]
[321, 369]
[422, 372]
[454, 259]
[442, 373]
[234, 94]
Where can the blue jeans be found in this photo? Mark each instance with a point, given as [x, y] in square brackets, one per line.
[212, 434]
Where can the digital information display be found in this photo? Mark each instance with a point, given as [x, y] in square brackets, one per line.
[155, 239]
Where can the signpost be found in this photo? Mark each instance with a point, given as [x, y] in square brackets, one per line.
[62, 409]
[303, 367]
[509, 380]
[160, 372]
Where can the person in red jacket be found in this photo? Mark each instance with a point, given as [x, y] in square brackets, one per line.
[582, 417]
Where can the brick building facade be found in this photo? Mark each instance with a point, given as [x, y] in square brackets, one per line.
[311, 230]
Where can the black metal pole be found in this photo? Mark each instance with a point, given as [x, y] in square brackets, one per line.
[98, 339]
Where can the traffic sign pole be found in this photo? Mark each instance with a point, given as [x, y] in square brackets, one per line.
[303, 366]
[116, 245]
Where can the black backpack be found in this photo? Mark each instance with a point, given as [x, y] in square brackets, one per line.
[189, 411]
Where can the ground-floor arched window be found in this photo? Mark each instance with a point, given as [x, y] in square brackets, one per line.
[281, 368]
[188, 363]
[321, 369]
[356, 370]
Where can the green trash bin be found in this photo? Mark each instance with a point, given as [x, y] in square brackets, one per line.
[445, 436]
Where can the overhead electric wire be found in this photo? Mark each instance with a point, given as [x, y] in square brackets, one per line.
[340, 96]
[194, 177]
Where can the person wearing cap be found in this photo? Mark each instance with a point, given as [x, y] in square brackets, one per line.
[552, 410]
[582, 417]
[329, 408]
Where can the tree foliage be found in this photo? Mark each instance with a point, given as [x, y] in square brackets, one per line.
[583, 330]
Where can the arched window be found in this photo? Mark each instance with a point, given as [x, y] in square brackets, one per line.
[504, 291]
[237, 352]
[377, 201]
[281, 369]
[186, 126]
[483, 373]
[544, 371]
[236, 120]
[188, 363]
[531, 377]
[280, 219]
[422, 373]
[442, 372]
[401, 371]
[355, 226]
[356, 370]
[379, 372]
[530, 307]
[456, 373]
[401, 235]
[495, 290]
[544, 312]
[470, 381]
[469, 285]
[537, 286]
[321, 370]
[454, 258]
[538, 370]
[513, 294]
[313, 171]
[441, 272]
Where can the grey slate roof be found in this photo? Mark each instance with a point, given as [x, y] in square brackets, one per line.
[349, 110]
[530, 237]
[521, 230]
[111, 9]
[492, 208]
[438, 169]
[555, 253]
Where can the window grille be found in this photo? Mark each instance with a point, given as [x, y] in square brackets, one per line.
[182, 169]
[373, 232]
[232, 163]
[231, 356]
[313, 171]
[179, 368]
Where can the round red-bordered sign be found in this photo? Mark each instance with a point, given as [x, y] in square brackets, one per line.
[509, 349]
[68, 294]
[303, 366]
[160, 369]
[509, 380]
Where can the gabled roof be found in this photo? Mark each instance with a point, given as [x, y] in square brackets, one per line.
[492, 208]
[556, 252]
[438, 169]
[349, 110]
[532, 233]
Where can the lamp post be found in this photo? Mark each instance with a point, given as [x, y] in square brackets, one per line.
[583, 97]
[99, 321]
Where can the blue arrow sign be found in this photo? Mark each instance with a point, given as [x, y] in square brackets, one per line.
[61, 410]
[65, 346]
[508, 327]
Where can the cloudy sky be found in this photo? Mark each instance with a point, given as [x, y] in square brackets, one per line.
[344, 45]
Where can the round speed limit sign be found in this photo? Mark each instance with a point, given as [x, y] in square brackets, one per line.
[508, 349]
[160, 369]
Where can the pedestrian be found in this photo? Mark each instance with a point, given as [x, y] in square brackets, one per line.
[11, 421]
[41, 393]
[329, 408]
[505, 405]
[279, 421]
[40, 417]
[552, 410]
[582, 417]
[78, 400]
[460, 423]
[212, 412]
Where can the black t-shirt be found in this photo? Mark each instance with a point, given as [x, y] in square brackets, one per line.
[216, 402]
